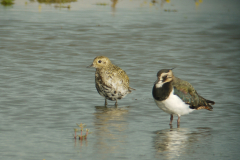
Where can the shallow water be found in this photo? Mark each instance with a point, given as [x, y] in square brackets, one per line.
[46, 88]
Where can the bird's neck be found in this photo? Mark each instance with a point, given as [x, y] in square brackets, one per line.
[162, 93]
[106, 67]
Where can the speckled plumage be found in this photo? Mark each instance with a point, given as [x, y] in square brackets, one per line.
[176, 96]
[111, 81]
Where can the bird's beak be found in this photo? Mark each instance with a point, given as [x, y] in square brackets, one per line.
[90, 66]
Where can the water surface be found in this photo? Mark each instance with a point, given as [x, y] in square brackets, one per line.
[46, 88]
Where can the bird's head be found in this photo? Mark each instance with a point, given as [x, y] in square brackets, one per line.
[164, 76]
[100, 62]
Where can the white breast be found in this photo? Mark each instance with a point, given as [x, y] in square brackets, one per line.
[174, 105]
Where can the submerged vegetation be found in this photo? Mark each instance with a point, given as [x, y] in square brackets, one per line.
[62, 6]
[102, 4]
[7, 2]
[56, 1]
[80, 129]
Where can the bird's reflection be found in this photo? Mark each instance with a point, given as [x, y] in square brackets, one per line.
[163, 2]
[114, 3]
[110, 124]
[197, 3]
[174, 142]
[80, 143]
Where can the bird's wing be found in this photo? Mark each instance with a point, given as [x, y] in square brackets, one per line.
[119, 76]
[185, 91]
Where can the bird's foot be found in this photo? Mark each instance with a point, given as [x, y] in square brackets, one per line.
[178, 122]
[171, 119]
[178, 125]
[105, 103]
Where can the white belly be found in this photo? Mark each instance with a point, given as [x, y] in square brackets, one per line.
[174, 105]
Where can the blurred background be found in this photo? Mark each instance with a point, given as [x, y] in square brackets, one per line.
[45, 87]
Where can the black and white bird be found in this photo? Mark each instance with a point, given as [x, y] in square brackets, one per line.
[176, 96]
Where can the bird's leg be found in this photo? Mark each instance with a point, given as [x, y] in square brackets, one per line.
[116, 103]
[105, 102]
[178, 121]
[171, 119]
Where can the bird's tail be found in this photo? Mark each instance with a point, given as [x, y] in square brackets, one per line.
[207, 105]
[131, 89]
[210, 102]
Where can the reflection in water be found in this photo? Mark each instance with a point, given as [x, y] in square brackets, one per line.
[80, 143]
[146, 3]
[151, 3]
[62, 6]
[172, 143]
[197, 2]
[114, 2]
[154, 1]
[39, 8]
[163, 2]
[110, 124]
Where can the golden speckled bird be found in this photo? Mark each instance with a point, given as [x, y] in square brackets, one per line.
[176, 96]
[111, 81]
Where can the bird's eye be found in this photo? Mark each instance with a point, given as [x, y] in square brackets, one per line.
[164, 78]
[99, 61]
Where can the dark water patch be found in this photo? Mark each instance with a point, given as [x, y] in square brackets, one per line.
[227, 27]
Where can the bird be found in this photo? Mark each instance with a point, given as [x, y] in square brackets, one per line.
[110, 80]
[176, 96]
